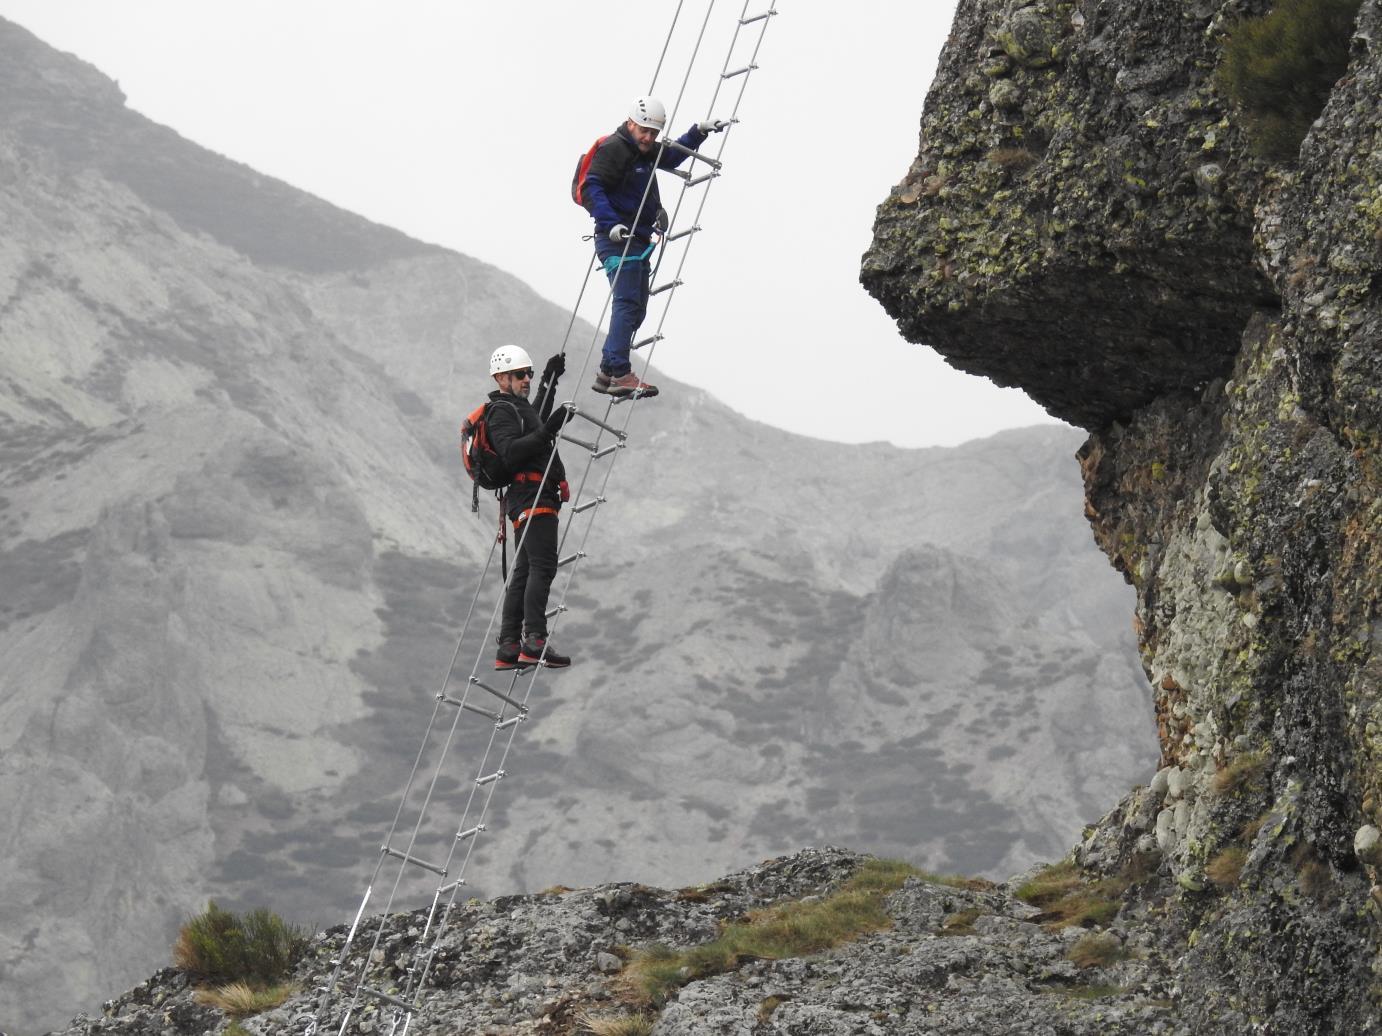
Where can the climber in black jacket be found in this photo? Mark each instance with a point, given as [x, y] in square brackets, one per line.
[525, 437]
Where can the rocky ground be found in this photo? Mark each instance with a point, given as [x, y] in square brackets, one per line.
[551, 964]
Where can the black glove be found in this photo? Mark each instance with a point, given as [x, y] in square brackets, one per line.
[557, 421]
[555, 368]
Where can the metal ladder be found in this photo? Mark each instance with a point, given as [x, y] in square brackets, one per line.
[504, 708]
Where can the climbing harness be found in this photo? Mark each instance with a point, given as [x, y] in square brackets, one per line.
[348, 987]
[614, 262]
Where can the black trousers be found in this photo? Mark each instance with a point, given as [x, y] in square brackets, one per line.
[534, 568]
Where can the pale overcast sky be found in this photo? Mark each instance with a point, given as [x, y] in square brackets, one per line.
[459, 123]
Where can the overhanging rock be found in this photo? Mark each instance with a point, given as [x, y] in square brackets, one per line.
[1078, 221]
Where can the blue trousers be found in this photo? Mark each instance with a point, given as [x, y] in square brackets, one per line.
[628, 308]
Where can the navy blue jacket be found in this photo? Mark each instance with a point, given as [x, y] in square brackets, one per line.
[618, 174]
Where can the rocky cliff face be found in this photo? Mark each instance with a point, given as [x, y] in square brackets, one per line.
[1084, 219]
[235, 554]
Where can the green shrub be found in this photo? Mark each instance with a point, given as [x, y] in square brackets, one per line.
[258, 947]
[1279, 69]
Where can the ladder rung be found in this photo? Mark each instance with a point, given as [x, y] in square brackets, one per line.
[756, 18]
[650, 340]
[601, 454]
[448, 888]
[468, 707]
[703, 178]
[469, 832]
[379, 994]
[413, 860]
[714, 163]
[579, 442]
[597, 422]
[666, 287]
[498, 694]
[588, 505]
[678, 236]
[737, 72]
[570, 558]
[511, 721]
[555, 611]
[490, 779]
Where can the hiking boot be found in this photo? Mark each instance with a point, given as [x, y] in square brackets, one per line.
[530, 651]
[601, 382]
[628, 385]
[508, 657]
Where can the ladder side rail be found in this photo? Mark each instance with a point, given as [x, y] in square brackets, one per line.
[661, 149]
[581, 552]
[491, 782]
[407, 790]
[705, 195]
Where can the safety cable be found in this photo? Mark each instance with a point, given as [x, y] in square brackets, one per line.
[405, 1002]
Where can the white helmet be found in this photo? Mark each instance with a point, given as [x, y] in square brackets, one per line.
[509, 358]
[649, 113]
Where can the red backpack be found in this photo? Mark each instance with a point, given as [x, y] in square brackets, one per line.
[482, 463]
[582, 168]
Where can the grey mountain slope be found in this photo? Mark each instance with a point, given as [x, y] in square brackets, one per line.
[235, 552]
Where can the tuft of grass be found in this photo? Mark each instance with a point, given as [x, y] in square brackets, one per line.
[1244, 770]
[1013, 159]
[1096, 950]
[956, 881]
[236, 1029]
[1226, 868]
[703, 893]
[1279, 68]
[960, 923]
[1315, 878]
[1247, 834]
[240, 999]
[768, 1006]
[793, 929]
[617, 1024]
[258, 947]
[1066, 897]
[1086, 992]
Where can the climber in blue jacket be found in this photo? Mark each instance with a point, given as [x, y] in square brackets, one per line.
[612, 191]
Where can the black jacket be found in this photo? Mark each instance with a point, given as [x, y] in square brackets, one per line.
[517, 434]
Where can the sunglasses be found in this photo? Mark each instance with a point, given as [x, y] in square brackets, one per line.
[522, 374]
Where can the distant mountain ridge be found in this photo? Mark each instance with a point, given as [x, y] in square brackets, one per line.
[235, 551]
